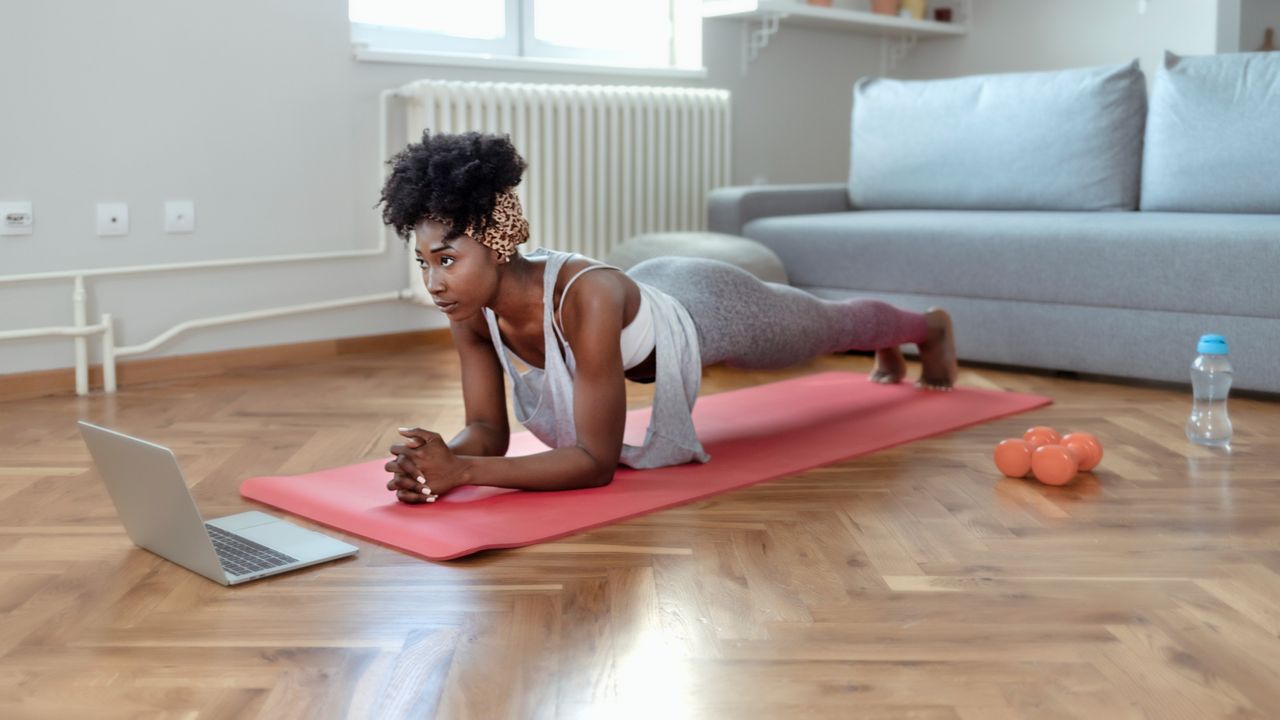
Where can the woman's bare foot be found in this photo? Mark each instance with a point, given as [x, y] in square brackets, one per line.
[938, 366]
[890, 367]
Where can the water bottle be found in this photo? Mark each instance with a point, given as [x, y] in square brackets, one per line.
[1210, 383]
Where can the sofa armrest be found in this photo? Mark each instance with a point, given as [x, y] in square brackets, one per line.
[730, 208]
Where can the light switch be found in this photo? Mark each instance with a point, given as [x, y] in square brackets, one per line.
[179, 216]
[113, 219]
[16, 218]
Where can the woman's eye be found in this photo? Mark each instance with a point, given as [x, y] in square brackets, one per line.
[421, 263]
[446, 261]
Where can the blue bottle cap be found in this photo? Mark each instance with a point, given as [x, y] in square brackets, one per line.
[1212, 345]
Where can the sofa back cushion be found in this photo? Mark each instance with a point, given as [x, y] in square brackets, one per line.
[1063, 140]
[1213, 135]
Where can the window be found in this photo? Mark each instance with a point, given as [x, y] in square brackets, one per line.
[618, 33]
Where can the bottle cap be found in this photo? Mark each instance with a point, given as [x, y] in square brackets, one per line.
[1212, 345]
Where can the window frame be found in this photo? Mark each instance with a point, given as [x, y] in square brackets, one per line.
[384, 43]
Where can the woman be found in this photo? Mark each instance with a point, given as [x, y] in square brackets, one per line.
[583, 329]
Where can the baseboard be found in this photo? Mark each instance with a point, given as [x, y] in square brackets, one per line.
[63, 380]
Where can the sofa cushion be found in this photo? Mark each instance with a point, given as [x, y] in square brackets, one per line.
[1213, 135]
[1064, 140]
[1197, 263]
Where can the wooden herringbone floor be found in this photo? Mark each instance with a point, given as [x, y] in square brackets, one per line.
[912, 583]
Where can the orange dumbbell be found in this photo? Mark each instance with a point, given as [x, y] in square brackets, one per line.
[1054, 464]
[1054, 459]
[1041, 435]
[1013, 457]
[1087, 448]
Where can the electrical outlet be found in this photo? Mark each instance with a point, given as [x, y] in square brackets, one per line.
[180, 216]
[16, 218]
[113, 219]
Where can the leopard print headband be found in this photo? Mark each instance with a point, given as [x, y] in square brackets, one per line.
[506, 228]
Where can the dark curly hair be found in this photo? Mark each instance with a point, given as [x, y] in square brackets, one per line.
[454, 176]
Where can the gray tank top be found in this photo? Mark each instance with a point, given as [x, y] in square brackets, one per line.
[543, 398]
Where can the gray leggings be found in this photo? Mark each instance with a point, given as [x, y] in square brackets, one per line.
[748, 323]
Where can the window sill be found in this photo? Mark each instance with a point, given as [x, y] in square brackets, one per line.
[364, 53]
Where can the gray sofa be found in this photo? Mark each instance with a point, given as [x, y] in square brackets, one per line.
[1066, 220]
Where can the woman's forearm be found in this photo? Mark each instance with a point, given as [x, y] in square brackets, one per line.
[570, 468]
[479, 439]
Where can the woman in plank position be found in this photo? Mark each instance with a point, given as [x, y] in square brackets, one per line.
[583, 329]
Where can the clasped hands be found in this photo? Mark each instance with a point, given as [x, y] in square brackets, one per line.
[424, 467]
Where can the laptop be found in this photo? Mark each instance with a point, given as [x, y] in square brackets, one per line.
[158, 512]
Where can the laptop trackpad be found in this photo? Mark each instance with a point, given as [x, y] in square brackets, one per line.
[295, 541]
[239, 522]
[283, 536]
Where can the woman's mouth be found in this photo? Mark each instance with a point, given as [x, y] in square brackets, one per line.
[447, 307]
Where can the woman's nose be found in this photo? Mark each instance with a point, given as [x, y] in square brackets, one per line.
[435, 283]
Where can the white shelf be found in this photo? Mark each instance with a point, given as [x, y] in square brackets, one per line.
[831, 18]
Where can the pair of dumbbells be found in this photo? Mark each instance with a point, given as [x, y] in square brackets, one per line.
[1053, 458]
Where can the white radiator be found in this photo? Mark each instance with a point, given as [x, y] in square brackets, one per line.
[605, 162]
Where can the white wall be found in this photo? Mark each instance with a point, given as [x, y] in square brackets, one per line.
[1013, 35]
[258, 113]
[1255, 17]
[1229, 30]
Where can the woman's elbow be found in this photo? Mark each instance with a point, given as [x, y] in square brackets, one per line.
[496, 440]
[601, 471]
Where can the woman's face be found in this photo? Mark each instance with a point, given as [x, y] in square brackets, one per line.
[461, 275]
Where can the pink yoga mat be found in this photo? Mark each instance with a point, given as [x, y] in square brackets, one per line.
[753, 435]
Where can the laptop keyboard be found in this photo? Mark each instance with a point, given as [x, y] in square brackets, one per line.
[242, 557]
